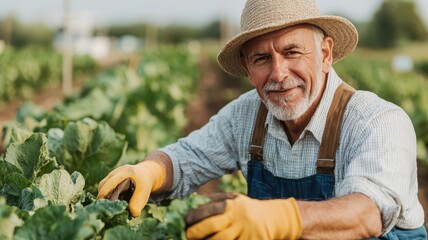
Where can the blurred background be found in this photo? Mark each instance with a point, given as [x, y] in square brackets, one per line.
[148, 68]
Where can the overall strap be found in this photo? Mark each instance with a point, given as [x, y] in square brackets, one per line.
[256, 147]
[330, 138]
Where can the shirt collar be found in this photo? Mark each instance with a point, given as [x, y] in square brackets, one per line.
[317, 123]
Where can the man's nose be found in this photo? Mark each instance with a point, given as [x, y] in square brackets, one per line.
[280, 70]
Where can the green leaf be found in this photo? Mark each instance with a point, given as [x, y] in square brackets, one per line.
[87, 226]
[55, 136]
[24, 163]
[29, 110]
[150, 228]
[121, 232]
[31, 157]
[31, 199]
[8, 221]
[78, 108]
[5, 169]
[157, 212]
[12, 189]
[13, 133]
[171, 225]
[78, 136]
[60, 188]
[179, 206]
[85, 144]
[50, 222]
[112, 213]
[55, 222]
[195, 200]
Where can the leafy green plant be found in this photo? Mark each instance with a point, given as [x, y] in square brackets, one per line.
[25, 71]
[421, 66]
[234, 182]
[87, 136]
[89, 147]
[122, 109]
[147, 104]
[40, 200]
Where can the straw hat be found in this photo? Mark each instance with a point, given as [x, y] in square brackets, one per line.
[263, 16]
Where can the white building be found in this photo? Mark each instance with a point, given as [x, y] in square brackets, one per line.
[83, 41]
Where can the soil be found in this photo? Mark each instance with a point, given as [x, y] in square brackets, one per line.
[207, 101]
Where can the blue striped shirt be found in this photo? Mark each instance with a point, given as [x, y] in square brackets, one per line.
[376, 154]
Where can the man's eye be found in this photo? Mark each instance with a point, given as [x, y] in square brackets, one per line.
[261, 59]
[291, 53]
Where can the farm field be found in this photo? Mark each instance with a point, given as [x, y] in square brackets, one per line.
[159, 95]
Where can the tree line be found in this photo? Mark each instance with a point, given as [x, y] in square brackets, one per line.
[395, 23]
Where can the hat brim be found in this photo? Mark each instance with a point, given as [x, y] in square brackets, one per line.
[343, 32]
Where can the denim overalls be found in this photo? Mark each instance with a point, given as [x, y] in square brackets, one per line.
[262, 184]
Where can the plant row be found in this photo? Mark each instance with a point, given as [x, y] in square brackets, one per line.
[23, 72]
[54, 160]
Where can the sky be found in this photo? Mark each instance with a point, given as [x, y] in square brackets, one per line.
[103, 12]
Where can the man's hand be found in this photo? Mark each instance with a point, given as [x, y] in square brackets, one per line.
[240, 217]
[147, 177]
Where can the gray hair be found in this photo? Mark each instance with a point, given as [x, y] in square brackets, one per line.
[319, 36]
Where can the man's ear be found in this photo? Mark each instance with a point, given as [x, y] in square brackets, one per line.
[327, 53]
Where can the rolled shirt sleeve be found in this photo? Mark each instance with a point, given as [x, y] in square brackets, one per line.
[205, 154]
[381, 164]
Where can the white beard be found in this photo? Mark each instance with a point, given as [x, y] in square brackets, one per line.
[281, 108]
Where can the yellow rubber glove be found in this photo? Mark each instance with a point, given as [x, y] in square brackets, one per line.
[246, 218]
[147, 177]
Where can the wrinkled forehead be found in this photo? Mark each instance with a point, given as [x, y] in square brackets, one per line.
[298, 31]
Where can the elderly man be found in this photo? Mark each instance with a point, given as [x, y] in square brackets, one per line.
[321, 160]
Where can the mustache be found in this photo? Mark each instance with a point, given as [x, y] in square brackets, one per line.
[284, 85]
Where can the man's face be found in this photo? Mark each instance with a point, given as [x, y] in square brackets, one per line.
[286, 68]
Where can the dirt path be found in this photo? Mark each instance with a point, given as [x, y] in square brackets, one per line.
[45, 99]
